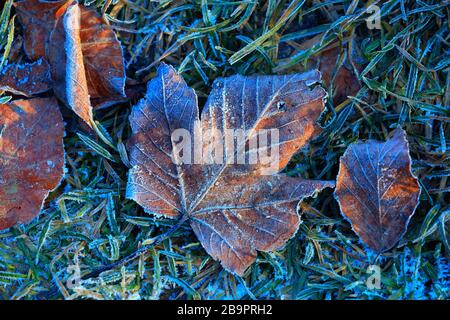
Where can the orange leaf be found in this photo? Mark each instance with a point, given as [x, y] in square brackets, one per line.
[234, 209]
[38, 18]
[67, 65]
[31, 157]
[102, 56]
[377, 191]
[84, 53]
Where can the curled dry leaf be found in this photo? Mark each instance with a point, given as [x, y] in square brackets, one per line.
[345, 82]
[234, 209]
[377, 191]
[102, 56]
[27, 79]
[38, 18]
[84, 53]
[31, 157]
[70, 82]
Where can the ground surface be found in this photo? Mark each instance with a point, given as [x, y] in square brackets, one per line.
[87, 223]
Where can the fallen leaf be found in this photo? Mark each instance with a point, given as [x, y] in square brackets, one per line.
[84, 53]
[38, 19]
[345, 82]
[234, 209]
[102, 56]
[377, 191]
[67, 66]
[26, 79]
[31, 157]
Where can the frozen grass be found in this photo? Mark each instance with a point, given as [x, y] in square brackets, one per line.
[88, 224]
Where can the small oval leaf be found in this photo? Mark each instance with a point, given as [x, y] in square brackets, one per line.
[377, 191]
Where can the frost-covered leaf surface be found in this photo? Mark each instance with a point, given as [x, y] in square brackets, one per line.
[67, 65]
[85, 56]
[26, 79]
[102, 56]
[31, 157]
[377, 191]
[38, 18]
[338, 73]
[87, 223]
[234, 209]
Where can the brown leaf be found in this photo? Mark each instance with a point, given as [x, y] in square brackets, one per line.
[84, 53]
[28, 79]
[31, 157]
[102, 56]
[377, 191]
[67, 66]
[38, 18]
[345, 82]
[234, 209]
